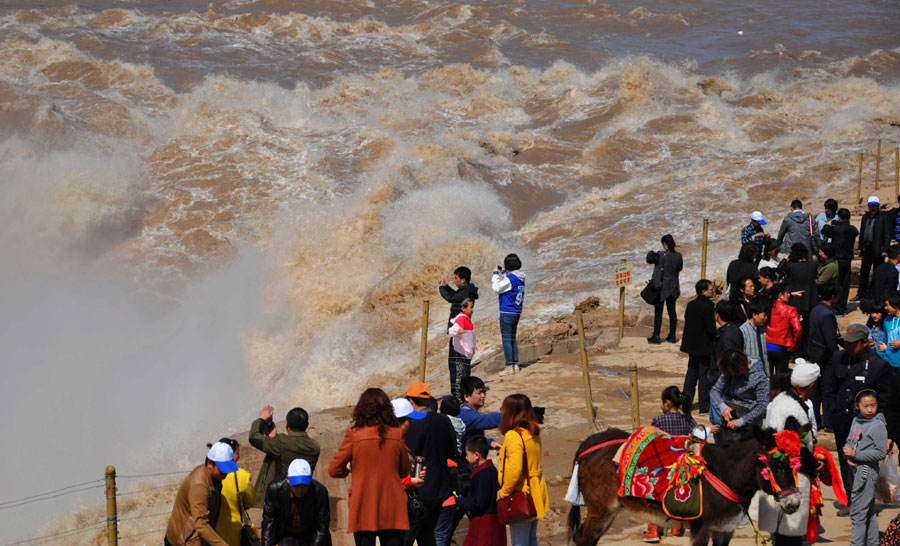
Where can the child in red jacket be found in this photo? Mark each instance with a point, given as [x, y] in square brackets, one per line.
[481, 504]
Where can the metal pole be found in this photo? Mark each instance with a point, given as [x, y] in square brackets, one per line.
[877, 164]
[859, 179]
[622, 310]
[112, 523]
[635, 401]
[423, 347]
[588, 396]
[705, 243]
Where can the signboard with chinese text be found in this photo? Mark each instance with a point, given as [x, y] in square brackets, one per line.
[623, 275]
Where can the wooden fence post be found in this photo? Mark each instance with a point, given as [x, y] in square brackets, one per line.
[859, 179]
[423, 347]
[112, 522]
[622, 310]
[635, 400]
[877, 164]
[705, 244]
[588, 395]
[897, 172]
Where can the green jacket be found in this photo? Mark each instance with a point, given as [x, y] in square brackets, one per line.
[827, 273]
[280, 452]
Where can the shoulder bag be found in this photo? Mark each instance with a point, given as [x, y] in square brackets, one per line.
[249, 533]
[518, 506]
[651, 292]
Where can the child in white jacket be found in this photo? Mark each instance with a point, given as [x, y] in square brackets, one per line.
[463, 332]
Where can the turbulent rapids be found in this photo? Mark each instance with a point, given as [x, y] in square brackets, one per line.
[319, 165]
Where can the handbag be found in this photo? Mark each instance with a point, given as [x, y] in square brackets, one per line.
[517, 506]
[650, 294]
[249, 533]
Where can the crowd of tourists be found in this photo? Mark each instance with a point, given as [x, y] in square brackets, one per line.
[766, 350]
[777, 310]
[418, 465]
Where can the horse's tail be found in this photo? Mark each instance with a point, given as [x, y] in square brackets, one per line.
[574, 521]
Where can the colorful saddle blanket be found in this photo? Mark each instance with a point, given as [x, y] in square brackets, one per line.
[651, 460]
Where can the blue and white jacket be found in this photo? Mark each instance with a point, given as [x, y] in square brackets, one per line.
[511, 287]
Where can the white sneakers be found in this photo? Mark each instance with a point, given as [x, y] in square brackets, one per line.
[509, 370]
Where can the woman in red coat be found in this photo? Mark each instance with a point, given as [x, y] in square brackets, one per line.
[375, 450]
[784, 330]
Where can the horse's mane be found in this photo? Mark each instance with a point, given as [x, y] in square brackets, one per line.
[600, 437]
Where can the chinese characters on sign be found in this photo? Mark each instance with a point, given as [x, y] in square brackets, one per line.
[623, 275]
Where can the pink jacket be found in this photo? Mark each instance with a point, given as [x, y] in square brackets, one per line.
[463, 333]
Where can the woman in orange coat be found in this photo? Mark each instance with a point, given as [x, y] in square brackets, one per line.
[375, 450]
[783, 332]
[521, 435]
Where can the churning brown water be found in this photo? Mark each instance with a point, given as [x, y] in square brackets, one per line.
[209, 206]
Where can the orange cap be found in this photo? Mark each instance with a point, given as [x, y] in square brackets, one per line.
[418, 390]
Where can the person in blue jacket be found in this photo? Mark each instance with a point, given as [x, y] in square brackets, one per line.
[509, 283]
[474, 394]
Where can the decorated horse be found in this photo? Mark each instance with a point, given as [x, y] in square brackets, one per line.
[658, 478]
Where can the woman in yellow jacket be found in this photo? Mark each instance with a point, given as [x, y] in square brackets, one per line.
[229, 523]
[520, 429]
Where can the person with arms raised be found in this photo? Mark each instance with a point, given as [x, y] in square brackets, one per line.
[465, 291]
[281, 449]
[509, 283]
[667, 264]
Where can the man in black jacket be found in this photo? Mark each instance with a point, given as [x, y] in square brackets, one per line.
[462, 277]
[843, 236]
[434, 439]
[728, 336]
[296, 511]
[851, 369]
[874, 238]
[697, 341]
[886, 277]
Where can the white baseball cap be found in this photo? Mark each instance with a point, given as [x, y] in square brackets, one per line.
[299, 473]
[873, 200]
[403, 408]
[757, 216]
[222, 454]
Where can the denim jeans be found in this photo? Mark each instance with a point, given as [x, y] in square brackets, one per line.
[444, 526]
[523, 534]
[508, 326]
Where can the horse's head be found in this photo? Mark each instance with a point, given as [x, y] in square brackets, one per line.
[781, 455]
